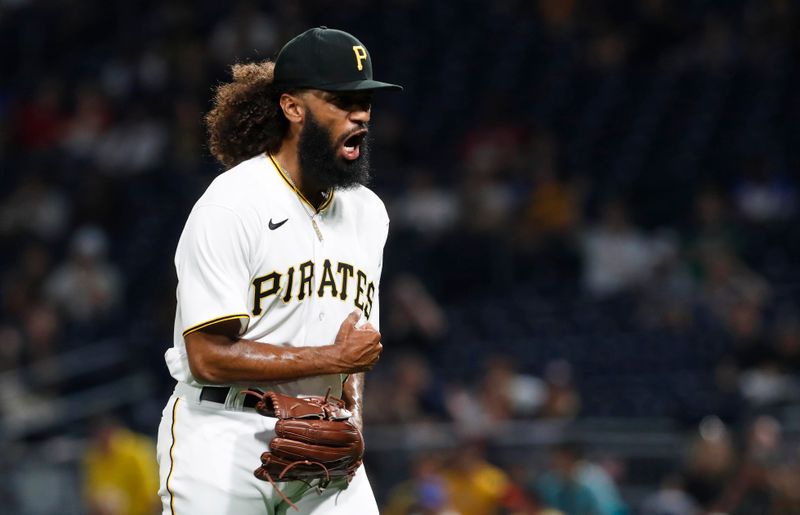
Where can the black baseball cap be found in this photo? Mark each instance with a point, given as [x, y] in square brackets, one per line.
[326, 59]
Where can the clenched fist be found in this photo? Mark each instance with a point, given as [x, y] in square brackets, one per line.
[358, 348]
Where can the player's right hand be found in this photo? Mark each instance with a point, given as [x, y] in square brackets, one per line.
[358, 348]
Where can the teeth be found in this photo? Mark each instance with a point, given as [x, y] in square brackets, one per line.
[349, 148]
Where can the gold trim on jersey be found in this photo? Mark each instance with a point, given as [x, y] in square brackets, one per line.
[325, 203]
[172, 458]
[213, 321]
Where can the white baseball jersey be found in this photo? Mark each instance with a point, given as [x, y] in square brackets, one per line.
[249, 251]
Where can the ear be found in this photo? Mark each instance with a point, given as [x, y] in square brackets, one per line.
[293, 107]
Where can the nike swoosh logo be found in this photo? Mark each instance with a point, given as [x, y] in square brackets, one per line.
[273, 226]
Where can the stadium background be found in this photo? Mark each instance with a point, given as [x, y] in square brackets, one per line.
[594, 244]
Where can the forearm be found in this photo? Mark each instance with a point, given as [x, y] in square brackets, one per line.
[214, 361]
[217, 356]
[352, 394]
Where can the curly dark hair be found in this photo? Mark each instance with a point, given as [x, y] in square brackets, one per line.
[246, 118]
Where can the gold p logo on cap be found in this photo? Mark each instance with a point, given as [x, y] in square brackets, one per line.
[361, 55]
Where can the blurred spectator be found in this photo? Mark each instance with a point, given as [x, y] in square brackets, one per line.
[762, 196]
[668, 299]
[488, 203]
[42, 329]
[602, 476]
[522, 502]
[750, 491]
[91, 118]
[424, 208]
[19, 400]
[410, 394]
[120, 474]
[784, 478]
[134, 145]
[22, 283]
[670, 499]
[549, 218]
[416, 320]
[489, 148]
[33, 263]
[727, 282]
[762, 379]
[37, 208]
[617, 256]
[710, 462]
[765, 384]
[466, 410]
[507, 394]
[86, 287]
[476, 486]
[561, 400]
[553, 210]
[503, 394]
[425, 493]
[496, 392]
[560, 486]
[712, 230]
[576, 485]
[488, 155]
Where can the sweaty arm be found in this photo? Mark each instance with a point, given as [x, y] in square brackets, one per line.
[217, 356]
[352, 393]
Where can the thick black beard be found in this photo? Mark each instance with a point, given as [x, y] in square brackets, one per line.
[320, 163]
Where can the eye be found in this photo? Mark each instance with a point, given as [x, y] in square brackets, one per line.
[352, 101]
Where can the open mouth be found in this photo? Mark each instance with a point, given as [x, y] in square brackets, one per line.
[351, 148]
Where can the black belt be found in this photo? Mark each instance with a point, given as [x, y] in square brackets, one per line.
[220, 393]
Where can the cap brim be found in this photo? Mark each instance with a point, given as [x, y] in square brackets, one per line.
[360, 85]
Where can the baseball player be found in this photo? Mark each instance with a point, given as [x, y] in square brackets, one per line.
[278, 267]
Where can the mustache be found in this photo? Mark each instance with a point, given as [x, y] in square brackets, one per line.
[361, 130]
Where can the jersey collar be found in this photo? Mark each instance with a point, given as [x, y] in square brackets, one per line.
[325, 203]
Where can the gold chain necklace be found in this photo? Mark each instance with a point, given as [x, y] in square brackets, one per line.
[311, 216]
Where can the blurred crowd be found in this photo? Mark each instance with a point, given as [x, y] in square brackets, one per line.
[713, 471]
[593, 215]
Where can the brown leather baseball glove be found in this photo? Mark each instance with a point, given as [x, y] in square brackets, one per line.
[314, 439]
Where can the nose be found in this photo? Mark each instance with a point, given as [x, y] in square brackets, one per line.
[360, 114]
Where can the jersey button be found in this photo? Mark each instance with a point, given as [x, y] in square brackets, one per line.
[321, 317]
